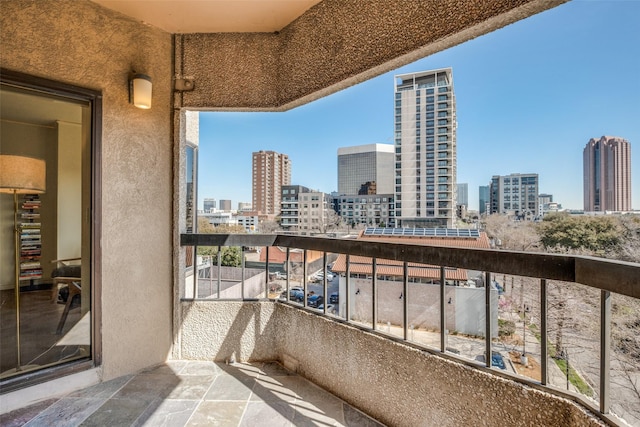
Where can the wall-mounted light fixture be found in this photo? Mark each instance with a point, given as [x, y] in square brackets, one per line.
[140, 90]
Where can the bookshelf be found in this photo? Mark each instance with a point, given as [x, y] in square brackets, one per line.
[30, 238]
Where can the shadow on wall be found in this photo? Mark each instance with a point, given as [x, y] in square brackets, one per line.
[229, 331]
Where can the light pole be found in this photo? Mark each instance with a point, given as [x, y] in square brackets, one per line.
[523, 358]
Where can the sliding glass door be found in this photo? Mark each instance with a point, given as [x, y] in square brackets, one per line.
[46, 193]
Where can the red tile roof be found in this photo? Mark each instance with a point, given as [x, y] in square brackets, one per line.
[362, 265]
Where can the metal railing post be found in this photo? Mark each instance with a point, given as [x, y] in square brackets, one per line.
[266, 281]
[374, 294]
[242, 270]
[195, 272]
[605, 350]
[324, 283]
[304, 278]
[487, 314]
[443, 311]
[219, 269]
[288, 273]
[544, 342]
[347, 309]
[210, 257]
[405, 301]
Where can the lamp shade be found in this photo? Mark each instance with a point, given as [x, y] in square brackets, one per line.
[141, 89]
[22, 175]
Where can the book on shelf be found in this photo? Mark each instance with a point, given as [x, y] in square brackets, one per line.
[29, 225]
[29, 215]
[29, 265]
[30, 238]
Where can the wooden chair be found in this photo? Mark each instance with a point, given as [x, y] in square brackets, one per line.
[68, 275]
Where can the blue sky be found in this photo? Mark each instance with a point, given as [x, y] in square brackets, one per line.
[529, 97]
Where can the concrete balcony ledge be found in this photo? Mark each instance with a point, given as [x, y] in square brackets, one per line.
[392, 381]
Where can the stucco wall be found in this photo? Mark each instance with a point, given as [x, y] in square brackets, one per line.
[78, 42]
[403, 386]
[218, 331]
[334, 45]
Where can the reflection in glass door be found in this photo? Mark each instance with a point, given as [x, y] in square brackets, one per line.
[45, 199]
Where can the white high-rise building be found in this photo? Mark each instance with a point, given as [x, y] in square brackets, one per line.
[425, 145]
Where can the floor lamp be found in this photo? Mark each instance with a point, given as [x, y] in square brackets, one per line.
[20, 175]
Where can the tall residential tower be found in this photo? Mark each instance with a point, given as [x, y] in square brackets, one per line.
[607, 174]
[425, 144]
[271, 171]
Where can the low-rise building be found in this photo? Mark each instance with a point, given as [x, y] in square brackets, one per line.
[376, 210]
[514, 195]
[465, 295]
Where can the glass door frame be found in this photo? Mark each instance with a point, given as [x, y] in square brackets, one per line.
[94, 99]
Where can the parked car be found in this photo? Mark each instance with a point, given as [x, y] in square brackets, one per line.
[280, 275]
[295, 294]
[496, 360]
[330, 308]
[334, 298]
[315, 300]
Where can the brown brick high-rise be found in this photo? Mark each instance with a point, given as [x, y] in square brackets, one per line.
[607, 174]
[271, 171]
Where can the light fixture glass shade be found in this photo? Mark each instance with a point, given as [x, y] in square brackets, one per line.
[140, 87]
[22, 175]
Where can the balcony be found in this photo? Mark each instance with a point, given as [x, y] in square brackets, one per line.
[372, 343]
[385, 346]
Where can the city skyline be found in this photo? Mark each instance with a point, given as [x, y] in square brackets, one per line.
[529, 96]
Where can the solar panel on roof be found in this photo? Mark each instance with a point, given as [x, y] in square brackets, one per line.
[430, 232]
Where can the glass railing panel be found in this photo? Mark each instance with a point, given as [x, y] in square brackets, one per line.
[516, 339]
[315, 278]
[465, 315]
[361, 291]
[330, 286]
[574, 323]
[222, 274]
[295, 269]
[423, 317]
[391, 294]
[624, 393]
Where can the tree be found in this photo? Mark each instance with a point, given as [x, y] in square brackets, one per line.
[204, 226]
[267, 226]
[231, 256]
[229, 229]
[629, 248]
[598, 234]
[518, 236]
[332, 221]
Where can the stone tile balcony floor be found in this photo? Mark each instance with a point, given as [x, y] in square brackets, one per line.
[196, 393]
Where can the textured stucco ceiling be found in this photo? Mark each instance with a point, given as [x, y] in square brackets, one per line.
[212, 16]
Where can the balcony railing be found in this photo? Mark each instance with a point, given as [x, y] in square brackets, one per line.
[606, 277]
